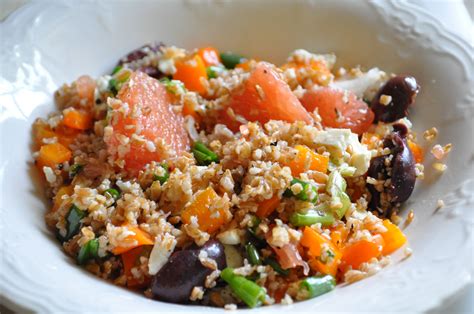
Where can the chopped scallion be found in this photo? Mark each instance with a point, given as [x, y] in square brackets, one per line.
[112, 193]
[230, 60]
[252, 254]
[75, 169]
[164, 176]
[204, 156]
[312, 217]
[73, 220]
[88, 251]
[248, 291]
[276, 266]
[308, 192]
[318, 285]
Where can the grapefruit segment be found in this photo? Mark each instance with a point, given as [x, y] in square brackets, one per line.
[264, 96]
[339, 109]
[146, 114]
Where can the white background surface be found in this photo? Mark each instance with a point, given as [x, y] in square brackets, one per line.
[454, 15]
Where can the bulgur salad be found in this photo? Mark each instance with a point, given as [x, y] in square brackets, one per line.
[210, 178]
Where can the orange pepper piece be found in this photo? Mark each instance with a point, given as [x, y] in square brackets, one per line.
[393, 237]
[210, 56]
[339, 236]
[246, 64]
[192, 72]
[189, 110]
[77, 119]
[361, 252]
[51, 155]
[306, 159]
[370, 139]
[65, 134]
[209, 219]
[137, 239]
[64, 190]
[417, 151]
[267, 207]
[131, 259]
[315, 243]
[42, 130]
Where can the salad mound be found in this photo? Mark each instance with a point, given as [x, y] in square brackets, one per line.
[206, 177]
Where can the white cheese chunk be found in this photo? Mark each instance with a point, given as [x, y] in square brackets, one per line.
[364, 85]
[338, 140]
[164, 246]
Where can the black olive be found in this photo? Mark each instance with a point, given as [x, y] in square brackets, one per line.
[403, 174]
[151, 71]
[140, 53]
[377, 170]
[400, 169]
[403, 90]
[183, 271]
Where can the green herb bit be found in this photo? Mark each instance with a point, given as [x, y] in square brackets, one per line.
[113, 86]
[73, 220]
[308, 193]
[276, 266]
[312, 287]
[257, 241]
[204, 156]
[248, 291]
[230, 60]
[112, 193]
[163, 176]
[213, 71]
[117, 69]
[252, 254]
[75, 169]
[254, 222]
[173, 86]
[88, 251]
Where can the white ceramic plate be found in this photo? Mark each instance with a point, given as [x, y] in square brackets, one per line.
[45, 45]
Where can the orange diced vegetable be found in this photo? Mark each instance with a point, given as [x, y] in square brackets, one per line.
[324, 262]
[361, 252]
[64, 190]
[137, 239]
[202, 207]
[51, 155]
[42, 130]
[306, 159]
[417, 151]
[192, 72]
[77, 119]
[339, 236]
[189, 110]
[131, 259]
[267, 207]
[246, 64]
[393, 237]
[370, 139]
[64, 134]
[210, 56]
